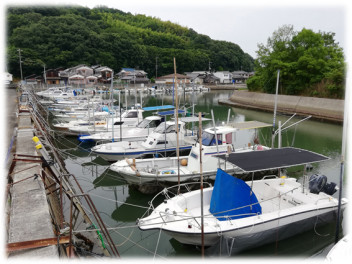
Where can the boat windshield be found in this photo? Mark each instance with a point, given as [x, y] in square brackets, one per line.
[165, 129]
[209, 139]
[144, 123]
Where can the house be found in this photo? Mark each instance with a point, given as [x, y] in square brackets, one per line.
[133, 76]
[33, 79]
[240, 76]
[194, 77]
[224, 76]
[209, 78]
[76, 79]
[169, 79]
[84, 71]
[103, 74]
[79, 75]
[51, 76]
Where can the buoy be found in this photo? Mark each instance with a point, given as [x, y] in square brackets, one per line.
[39, 146]
[184, 162]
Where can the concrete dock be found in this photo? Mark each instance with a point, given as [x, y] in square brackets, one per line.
[331, 110]
[39, 188]
[29, 215]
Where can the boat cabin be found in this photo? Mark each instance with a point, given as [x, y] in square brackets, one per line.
[150, 122]
[165, 134]
[129, 117]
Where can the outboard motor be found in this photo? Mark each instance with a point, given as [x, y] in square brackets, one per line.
[318, 183]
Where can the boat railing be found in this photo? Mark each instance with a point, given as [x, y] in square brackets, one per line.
[324, 198]
[269, 176]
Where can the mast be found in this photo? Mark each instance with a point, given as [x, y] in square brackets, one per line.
[177, 143]
[112, 105]
[201, 182]
[275, 107]
[342, 164]
[120, 109]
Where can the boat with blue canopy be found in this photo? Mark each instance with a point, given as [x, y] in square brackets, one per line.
[247, 214]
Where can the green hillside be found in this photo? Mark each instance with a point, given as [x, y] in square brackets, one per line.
[68, 36]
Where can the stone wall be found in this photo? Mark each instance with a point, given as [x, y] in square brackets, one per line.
[319, 108]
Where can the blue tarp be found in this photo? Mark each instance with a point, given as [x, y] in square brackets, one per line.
[157, 108]
[170, 112]
[231, 193]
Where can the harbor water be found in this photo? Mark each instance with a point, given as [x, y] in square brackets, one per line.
[120, 205]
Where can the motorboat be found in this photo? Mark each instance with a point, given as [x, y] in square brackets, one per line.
[129, 118]
[340, 251]
[161, 141]
[98, 119]
[126, 133]
[252, 213]
[186, 168]
[112, 133]
[78, 114]
[51, 91]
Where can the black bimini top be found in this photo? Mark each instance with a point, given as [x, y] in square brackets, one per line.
[272, 159]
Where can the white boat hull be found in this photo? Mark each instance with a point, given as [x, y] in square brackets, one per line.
[168, 171]
[248, 237]
[286, 210]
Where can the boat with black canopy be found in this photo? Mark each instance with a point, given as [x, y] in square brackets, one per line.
[251, 213]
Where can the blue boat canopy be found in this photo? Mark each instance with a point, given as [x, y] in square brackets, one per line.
[157, 108]
[232, 198]
[170, 112]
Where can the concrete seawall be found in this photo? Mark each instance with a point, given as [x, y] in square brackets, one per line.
[319, 108]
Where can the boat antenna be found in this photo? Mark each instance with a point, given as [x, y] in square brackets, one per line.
[120, 108]
[177, 143]
[201, 181]
[228, 116]
[275, 107]
[112, 105]
[342, 165]
[216, 136]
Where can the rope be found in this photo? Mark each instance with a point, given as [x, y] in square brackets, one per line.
[157, 243]
[139, 206]
[128, 239]
[315, 224]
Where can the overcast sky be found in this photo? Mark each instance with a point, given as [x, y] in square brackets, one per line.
[245, 23]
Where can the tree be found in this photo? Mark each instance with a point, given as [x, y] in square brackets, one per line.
[310, 64]
[67, 36]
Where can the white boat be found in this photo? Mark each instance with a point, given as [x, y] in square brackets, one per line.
[129, 118]
[249, 214]
[230, 139]
[76, 115]
[341, 251]
[140, 132]
[105, 135]
[161, 140]
[50, 91]
[98, 120]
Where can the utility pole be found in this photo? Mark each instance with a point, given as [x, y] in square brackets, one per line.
[44, 74]
[19, 52]
[156, 67]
